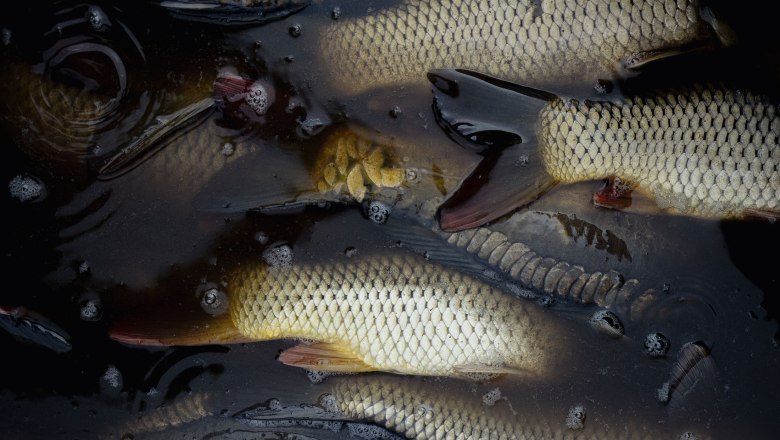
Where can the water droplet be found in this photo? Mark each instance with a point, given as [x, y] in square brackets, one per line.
[295, 30]
[395, 112]
[212, 300]
[6, 36]
[96, 18]
[228, 149]
[491, 397]
[261, 237]
[279, 256]
[656, 344]
[350, 252]
[26, 188]
[576, 417]
[607, 322]
[378, 212]
[335, 13]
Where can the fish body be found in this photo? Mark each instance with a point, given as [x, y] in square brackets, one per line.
[394, 313]
[708, 152]
[422, 412]
[531, 42]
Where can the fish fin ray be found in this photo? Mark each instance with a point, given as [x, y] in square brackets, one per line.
[474, 370]
[324, 356]
[763, 214]
[160, 332]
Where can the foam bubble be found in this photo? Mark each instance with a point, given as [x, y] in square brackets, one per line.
[96, 18]
[258, 98]
[212, 300]
[316, 376]
[607, 322]
[368, 432]
[491, 397]
[228, 149]
[279, 256]
[25, 188]
[350, 251]
[113, 377]
[688, 436]
[378, 212]
[91, 310]
[83, 268]
[656, 344]
[261, 237]
[576, 417]
[329, 403]
[6, 36]
[274, 404]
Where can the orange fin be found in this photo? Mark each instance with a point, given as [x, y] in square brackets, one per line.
[323, 356]
[616, 194]
[214, 330]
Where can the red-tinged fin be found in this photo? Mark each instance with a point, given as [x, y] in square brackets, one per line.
[324, 356]
[210, 330]
[229, 86]
[503, 182]
[616, 194]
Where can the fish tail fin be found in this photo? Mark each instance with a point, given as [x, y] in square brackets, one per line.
[499, 120]
[163, 332]
[724, 32]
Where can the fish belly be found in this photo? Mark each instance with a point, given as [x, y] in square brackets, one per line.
[708, 151]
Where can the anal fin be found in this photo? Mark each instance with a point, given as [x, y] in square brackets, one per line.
[323, 356]
[481, 371]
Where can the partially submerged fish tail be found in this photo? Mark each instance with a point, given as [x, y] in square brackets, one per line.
[500, 119]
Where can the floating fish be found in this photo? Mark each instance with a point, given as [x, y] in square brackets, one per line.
[533, 42]
[393, 312]
[706, 151]
[419, 411]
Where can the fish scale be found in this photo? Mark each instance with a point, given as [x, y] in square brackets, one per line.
[438, 322]
[706, 151]
[523, 41]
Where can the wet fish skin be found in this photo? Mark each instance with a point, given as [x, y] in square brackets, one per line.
[530, 42]
[396, 313]
[424, 412]
[707, 151]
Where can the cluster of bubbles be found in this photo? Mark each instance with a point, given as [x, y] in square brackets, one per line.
[491, 397]
[378, 212]
[317, 376]
[329, 403]
[111, 379]
[369, 432]
[279, 256]
[261, 237]
[656, 345]
[91, 309]
[26, 188]
[607, 322]
[576, 417]
[212, 300]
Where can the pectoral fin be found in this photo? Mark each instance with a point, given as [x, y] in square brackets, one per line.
[486, 371]
[323, 356]
[616, 194]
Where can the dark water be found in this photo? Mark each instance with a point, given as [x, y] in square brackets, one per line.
[136, 245]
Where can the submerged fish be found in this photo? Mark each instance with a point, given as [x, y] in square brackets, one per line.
[417, 411]
[707, 151]
[534, 42]
[394, 312]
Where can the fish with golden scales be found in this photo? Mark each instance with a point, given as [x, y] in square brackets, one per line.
[534, 42]
[392, 312]
[706, 151]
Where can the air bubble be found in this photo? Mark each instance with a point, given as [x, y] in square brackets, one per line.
[350, 252]
[274, 404]
[412, 175]
[688, 436]
[258, 98]
[295, 30]
[228, 149]
[91, 309]
[368, 432]
[378, 212]
[316, 376]
[96, 18]
[6, 36]
[26, 188]
[212, 300]
[395, 112]
[491, 397]
[576, 417]
[83, 268]
[607, 322]
[112, 377]
[523, 160]
[261, 237]
[279, 256]
[335, 13]
[656, 344]
[329, 403]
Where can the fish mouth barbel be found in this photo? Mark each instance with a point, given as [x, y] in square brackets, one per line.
[533, 42]
[706, 151]
[393, 312]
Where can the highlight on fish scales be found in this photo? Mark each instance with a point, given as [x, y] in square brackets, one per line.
[706, 151]
[562, 42]
[392, 312]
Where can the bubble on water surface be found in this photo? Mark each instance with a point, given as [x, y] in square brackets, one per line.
[395, 112]
[607, 322]
[5, 35]
[329, 403]
[656, 344]
[227, 149]
[688, 436]
[97, 18]
[274, 404]
[316, 376]
[90, 308]
[112, 377]
[26, 188]
[491, 397]
[368, 432]
[295, 30]
[350, 251]
[258, 98]
[576, 417]
[212, 300]
[279, 256]
[335, 13]
[378, 212]
[261, 237]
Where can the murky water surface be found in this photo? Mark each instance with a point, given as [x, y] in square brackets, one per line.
[82, 251]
